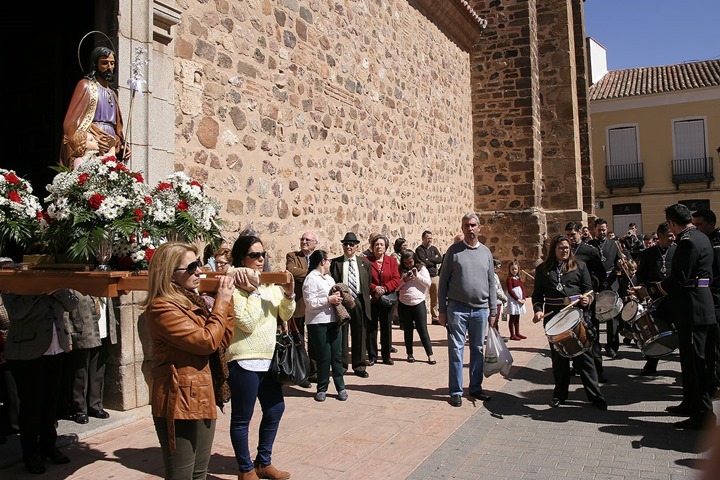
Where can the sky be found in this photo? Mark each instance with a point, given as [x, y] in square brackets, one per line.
[643, 33]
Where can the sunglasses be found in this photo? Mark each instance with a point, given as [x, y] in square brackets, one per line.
[348, 244]
[191, 268]
[257, 255]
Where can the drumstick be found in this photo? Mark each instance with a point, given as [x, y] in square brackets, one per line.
[569, 305]
[526, 273]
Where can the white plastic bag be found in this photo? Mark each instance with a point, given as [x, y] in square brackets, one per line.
[497, 355]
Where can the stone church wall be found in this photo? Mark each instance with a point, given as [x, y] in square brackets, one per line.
[327, 116]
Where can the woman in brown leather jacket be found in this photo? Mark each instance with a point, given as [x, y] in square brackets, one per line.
[184, 333]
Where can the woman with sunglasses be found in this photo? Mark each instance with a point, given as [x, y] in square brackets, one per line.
[184, 333]
[257, 309]
[559, 280]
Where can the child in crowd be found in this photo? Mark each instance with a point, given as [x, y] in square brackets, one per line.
[516, 299]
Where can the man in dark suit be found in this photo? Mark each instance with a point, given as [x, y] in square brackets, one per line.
[354, 271]
[93, 329]
[688, 287]
[590, 256]
[610, 256]
[297, 264]
[35, 349]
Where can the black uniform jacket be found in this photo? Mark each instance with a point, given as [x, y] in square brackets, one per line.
[692, 261]
[574, 282]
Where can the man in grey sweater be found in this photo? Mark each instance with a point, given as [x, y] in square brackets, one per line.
[467, 298]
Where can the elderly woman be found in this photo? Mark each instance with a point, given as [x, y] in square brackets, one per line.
[257, 308]
[184, 334]
[323, 329]
[223, 259]
[385, 279]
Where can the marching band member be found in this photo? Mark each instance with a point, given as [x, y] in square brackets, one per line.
[692, 307]
[560, 280]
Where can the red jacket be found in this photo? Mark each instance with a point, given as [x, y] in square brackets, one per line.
[388, 277]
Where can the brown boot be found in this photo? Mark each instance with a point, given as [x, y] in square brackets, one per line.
[271, 472]
[251, 475]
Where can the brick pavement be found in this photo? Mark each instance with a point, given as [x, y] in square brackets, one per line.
[397, 424]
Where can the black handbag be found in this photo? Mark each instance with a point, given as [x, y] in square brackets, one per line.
[290, 363]
[388, 299]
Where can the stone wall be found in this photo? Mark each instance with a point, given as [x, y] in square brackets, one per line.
[324, 115]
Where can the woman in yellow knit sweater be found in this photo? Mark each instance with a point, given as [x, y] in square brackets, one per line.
[256, 312]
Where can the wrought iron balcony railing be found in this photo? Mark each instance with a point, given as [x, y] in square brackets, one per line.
[692, 170]
[630, 175]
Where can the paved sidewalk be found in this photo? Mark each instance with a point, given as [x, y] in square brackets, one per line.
[397, 424]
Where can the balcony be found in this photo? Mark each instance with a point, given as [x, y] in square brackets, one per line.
[692, 170]
[630, 175]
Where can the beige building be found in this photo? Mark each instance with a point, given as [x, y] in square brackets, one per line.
[655, 141]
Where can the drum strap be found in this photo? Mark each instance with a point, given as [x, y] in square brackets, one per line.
[562, 301]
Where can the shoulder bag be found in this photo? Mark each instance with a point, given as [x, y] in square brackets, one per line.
[290, 363]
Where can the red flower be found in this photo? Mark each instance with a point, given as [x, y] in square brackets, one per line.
[14, 196]
[148, 200]
[183, 205]
[149, 252]
[197, 184]
[145, 234]
[138, 215]
[96, 200]
[138, 178]
[110, 158]
[164, 186]
[46, 217]
[83, 178]
[12, 178]
[132, 238]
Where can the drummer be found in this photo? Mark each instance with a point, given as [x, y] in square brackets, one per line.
[654, 265]
[559, 281]
[692, 307]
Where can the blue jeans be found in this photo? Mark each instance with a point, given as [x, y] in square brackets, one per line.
[245, 387]
[461, 319]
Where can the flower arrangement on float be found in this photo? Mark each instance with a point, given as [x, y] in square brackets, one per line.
[92, 206]
[182, 210]
[20, 210]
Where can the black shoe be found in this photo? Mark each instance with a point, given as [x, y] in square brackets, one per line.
[411, 359]
[57, 456]
[480, 395]
[611, 354]
[370, 363]
[305, 384]
[456, 400]
[35, 465]
[361, 373]
[600, 403]
[388, 361]
[436, 322]
[393, 350]
[679, 410]
[646, 371]
[80, 418]
[689, 424]
[555, 402]
[98, 413]
[602, 379]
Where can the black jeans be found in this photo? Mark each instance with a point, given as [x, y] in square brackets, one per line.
[414, 317]
[380, 316]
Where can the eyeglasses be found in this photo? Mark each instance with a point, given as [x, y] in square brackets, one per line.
[348, 244]
[257, 255]
[308, 240]
[221, 264]
[191, 269]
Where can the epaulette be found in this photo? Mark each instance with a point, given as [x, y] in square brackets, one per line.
[685, 236]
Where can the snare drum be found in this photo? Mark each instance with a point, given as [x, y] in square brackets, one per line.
[608, 305]
[568, 333]
[655, 337]
[632, 311]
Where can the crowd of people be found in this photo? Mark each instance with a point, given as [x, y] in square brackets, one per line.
[210, 349]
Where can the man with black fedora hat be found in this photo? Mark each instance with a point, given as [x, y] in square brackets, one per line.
[354, 271]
